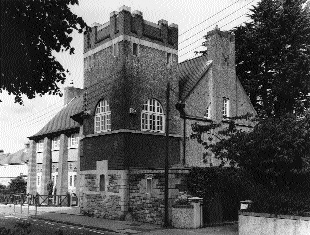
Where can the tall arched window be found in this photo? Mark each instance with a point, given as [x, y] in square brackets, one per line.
[103, 117]
[152, 117]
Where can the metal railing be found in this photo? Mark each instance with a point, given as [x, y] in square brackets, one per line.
[38, 200]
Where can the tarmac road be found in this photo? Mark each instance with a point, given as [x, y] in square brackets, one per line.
[40, 227]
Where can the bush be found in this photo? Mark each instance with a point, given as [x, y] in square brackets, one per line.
[17, 185]
[233, 185]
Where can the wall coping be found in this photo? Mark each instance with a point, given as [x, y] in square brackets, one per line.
[267, 215]
[182, 206]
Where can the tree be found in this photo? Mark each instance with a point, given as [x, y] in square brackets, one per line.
[273, 56]
[276, 151]
[17, 185]
[31, 31]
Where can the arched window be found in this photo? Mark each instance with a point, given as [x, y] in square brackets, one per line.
[152, 117]
[103, 117]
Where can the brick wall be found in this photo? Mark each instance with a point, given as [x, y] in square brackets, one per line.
[220, 81]
[124, 150]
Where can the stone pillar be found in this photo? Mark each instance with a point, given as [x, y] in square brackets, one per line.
[47, 165]
[32, 169]
[62, 184]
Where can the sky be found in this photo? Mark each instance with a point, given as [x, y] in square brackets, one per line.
[193, 17]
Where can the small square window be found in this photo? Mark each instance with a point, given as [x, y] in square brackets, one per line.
[135, 49]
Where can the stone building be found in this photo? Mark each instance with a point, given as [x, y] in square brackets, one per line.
[13, 165]
[121, 115]
[54, 149]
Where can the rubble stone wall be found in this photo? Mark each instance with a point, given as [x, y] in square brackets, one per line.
[147, 204]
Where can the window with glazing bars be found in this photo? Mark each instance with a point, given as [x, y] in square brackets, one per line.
[152, 117]
[103, 117]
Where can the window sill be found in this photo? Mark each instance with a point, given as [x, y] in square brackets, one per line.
[130, 131]
[73, 147]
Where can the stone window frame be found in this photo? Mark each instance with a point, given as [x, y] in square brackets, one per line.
[152, 116]
[102, 182]
[40, 146]
[73, 142]
[102, 120]
[148, 185]
[115, 49]
[168, 59]
[135, 49]
[56, 143]
[226, 108]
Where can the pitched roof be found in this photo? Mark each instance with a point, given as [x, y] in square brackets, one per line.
[190, 72]
[62, 121]
[20, 157]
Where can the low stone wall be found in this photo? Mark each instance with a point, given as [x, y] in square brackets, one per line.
[104, 193]
[182, 216]
[267, 224]
[147, 205]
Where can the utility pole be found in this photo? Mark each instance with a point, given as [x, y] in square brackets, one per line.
[166, 222]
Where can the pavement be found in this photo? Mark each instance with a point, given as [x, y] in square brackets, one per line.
[72, 216]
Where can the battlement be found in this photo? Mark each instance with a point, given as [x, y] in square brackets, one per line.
[125, 22]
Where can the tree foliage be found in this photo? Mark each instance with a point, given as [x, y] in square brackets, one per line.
[31, 31]
[273, 56]
[17, 185]
[276, 151]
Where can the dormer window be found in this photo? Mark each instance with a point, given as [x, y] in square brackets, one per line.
[40, 146]
[135, 49]
[56, 143]
[73, 141]
[226, 107]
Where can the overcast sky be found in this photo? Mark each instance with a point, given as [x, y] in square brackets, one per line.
[194, 18]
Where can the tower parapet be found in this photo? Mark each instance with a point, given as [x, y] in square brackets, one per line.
[124, 22]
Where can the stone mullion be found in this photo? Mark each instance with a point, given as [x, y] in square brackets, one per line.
[46, 166]
[32, 169]
[62, 183]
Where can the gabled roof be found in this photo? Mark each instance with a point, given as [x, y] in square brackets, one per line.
[62, 121]
[190, 73]
[20, 157]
